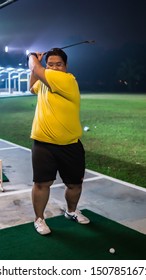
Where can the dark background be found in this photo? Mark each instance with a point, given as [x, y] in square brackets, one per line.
[116, 62]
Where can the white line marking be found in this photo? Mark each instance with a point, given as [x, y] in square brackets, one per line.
[6, 193]
[117, 180]
[10, 148]
[92, 179]
[101, 176]
[15, 145]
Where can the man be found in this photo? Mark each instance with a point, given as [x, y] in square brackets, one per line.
[56, 131]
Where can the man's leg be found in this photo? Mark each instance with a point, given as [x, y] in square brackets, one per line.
[72, 196]
[40, 197]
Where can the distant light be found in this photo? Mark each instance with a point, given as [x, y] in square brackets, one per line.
[23, 80]
[9, 69]
[20, 69]
[27, 52]
[6, 48]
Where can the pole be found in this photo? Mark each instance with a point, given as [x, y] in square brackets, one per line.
[9, 82]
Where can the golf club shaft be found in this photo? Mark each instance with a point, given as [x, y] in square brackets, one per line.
[79, 43]
[83, 42]
[5, 3]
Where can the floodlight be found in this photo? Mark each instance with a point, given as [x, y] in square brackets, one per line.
[27, 52]
[6, 48]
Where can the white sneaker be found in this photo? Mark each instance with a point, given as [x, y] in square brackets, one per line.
[77, 216]
[41, 226]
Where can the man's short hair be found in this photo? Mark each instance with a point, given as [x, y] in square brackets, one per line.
[57, 52]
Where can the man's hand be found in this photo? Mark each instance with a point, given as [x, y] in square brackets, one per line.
[39, 56]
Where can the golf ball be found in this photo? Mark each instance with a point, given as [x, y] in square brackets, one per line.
[112, 250]
[86, 128]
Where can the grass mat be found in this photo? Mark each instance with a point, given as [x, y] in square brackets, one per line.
[72, 241]
[5, 179]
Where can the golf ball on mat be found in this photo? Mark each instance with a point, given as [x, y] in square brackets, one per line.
[112, 250]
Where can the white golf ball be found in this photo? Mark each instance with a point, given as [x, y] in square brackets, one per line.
[86, 128]
[112, 250]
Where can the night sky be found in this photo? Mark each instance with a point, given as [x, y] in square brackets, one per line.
[39, 25]
[44, 24]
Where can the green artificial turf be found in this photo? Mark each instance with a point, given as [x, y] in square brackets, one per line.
[72, 241]
[5, 179]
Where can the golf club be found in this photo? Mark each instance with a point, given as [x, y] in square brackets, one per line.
[79, 43]
[83, 42]
[4, 3]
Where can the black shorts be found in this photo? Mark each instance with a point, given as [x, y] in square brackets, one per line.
[68, 160]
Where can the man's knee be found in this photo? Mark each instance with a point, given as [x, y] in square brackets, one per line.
[43, 185]
[74, 186]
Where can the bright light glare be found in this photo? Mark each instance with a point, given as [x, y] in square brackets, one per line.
[9, 69]
[6, 49]
[20, 69]
[27, 52]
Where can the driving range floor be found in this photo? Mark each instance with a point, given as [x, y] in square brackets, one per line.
[112, 198]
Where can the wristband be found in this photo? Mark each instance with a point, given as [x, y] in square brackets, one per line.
[33, 53]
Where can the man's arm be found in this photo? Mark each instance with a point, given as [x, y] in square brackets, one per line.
[32, 81]
[37, 70]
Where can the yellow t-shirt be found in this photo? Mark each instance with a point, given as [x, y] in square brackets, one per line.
[57, 115]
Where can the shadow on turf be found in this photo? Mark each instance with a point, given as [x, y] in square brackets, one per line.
[128, 172]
